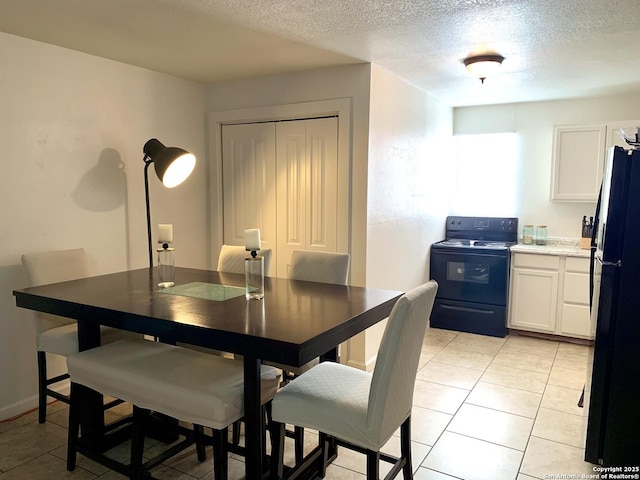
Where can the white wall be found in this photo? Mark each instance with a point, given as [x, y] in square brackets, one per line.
[409, 171]
[324, 84]
[72, 127]
[534, 124]
[399, 198]
[408, 196]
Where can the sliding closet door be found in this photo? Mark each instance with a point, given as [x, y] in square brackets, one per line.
[249, 178]
[307, 181]
[282, 177]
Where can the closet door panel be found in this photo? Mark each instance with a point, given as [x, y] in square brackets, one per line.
[291, 190]
[282, 177]
[307, 179]
[249, 182]
[322, 161]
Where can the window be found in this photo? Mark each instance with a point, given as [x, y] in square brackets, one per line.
[486, 177]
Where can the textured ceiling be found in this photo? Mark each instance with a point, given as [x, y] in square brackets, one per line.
[553, 48]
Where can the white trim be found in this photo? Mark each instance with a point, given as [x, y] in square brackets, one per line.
[30, 403]
[367, 366]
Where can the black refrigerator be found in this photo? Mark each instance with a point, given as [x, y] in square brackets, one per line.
[613, 429]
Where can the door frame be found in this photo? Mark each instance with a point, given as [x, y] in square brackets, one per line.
[340, 107]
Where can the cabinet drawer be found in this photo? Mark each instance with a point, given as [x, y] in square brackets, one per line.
[577, 264]
[576, 288]
[576, 321]
[533, 260]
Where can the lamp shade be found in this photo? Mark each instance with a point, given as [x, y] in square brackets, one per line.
[483, 66]
[173, 165]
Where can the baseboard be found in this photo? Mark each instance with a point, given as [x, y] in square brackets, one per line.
[551, 336]
[367, 367]
[18, 408]
[30, 403]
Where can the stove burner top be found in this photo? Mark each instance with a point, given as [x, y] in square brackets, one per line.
[481, 233]
[455, 242]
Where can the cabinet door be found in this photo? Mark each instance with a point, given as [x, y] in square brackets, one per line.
[578, 163]
[534, 300]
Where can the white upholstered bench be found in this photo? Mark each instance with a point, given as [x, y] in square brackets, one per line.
[195, 387]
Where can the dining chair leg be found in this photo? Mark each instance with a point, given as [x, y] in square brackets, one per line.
[373, 465]
[263, 415]
[324, 445]
[42, 387]
[198, 435]
[220, 454]
[405, 448]
[74, 428]
[235, 433]
[137, 441]
[268, 422]
[277, 432]
[298, 436]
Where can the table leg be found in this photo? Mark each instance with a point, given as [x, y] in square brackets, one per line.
[91, 413]
[330, 356]
[253, 418]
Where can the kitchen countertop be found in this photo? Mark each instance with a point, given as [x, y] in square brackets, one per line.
[569, 247]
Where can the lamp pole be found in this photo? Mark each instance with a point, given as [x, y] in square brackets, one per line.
[147, 162]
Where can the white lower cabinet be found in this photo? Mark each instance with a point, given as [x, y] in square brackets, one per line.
[550, 294]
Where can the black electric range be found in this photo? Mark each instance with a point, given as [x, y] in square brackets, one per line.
[471, 266]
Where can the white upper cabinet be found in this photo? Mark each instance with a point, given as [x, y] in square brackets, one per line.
[579, 154]
[578, 162]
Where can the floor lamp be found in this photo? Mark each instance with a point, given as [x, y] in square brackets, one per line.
[173, 165]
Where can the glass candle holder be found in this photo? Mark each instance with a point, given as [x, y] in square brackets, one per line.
[166, 267]
[254, 276]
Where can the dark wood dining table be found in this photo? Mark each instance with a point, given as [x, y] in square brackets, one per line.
[295, 322]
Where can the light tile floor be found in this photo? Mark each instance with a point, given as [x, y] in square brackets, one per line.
[484, 409]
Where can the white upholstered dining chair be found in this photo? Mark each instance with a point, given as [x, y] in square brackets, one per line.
[58, 335]
[231, 259]
[358, 409]
[206, 390]
[323, 267]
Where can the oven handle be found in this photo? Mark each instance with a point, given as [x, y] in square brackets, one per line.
[467, 309]
[447, 252]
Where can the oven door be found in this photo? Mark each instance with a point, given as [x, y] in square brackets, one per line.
[470, 277]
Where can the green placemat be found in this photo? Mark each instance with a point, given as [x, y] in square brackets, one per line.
[207, 291]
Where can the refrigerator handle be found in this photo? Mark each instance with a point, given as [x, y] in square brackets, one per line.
[594, 246]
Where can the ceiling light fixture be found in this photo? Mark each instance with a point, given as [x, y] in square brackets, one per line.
[482, 66]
